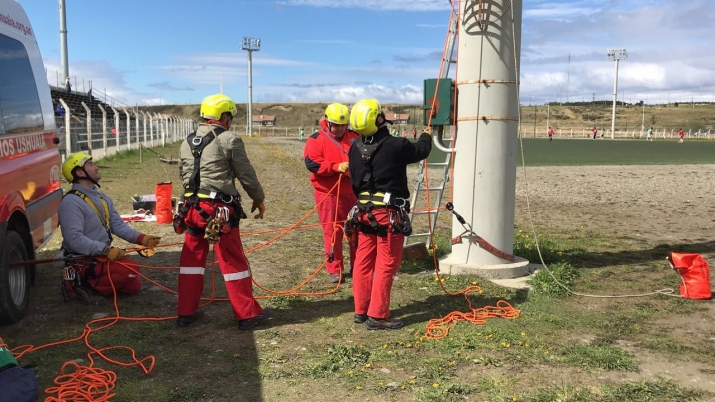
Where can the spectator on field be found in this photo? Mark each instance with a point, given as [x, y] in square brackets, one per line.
[550, 133]
[595, 132]
[681, 134]
[649, 136]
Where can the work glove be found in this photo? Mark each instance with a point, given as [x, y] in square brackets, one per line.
[150, 241]
[261, 209]
[342, 167]
[427, 130]
[115, 253]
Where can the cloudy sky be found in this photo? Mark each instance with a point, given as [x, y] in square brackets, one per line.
[159, 51]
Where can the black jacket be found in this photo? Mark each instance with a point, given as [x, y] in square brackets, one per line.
[389, 162]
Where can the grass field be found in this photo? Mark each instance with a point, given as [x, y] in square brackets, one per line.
[570, 152]
[560, 348]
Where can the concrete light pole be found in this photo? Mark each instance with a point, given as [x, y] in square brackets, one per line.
[64, 59]
[617, 55]
[251, 45]
[487, 124]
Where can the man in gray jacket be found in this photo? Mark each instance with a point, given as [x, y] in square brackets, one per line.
[210, 159]
[89, 222]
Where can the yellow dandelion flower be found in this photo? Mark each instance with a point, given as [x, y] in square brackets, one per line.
[546, 352]
[523, 334]
[381, 383]
[357, 387]
[412, 381]
[384, 346]
[368, 365]
[402, 386]
[474, 283]
[526, 345]
[514, 399]
[351, 373]
[435, 385]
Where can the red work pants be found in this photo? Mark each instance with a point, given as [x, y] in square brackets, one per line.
[328, 204]
[377, 260]
[232, 261]
[124, 279]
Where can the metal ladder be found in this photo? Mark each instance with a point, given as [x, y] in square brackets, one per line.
[437, 191]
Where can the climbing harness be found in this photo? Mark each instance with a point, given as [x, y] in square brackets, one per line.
[105, 219]
[223, 220]
[472, 237]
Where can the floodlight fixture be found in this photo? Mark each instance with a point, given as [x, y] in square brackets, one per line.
[615, 55]
[251, 45]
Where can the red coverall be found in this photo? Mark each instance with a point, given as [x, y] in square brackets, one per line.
[232, 262]
[125, 280]
[323, 153]
[377, 261]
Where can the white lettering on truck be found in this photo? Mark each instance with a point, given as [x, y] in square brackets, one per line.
[22, 144]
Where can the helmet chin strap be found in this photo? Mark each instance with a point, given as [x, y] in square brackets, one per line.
[88, 177]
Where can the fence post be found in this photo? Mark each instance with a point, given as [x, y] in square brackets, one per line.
[68, 136]
[89, 127]
[104, 129]
[117, 134]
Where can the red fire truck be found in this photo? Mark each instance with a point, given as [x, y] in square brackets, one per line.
[30, 163]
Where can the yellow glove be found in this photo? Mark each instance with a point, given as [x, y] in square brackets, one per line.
[261, 209]
[150, 241]
[342, 167]
[427, 130]
[115, 253]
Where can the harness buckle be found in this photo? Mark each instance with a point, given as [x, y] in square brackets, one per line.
[196, 143]
[400, 202]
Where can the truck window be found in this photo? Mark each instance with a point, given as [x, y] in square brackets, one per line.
[20, 110]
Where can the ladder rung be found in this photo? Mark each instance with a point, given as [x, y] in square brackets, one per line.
[437, 164]
[431, 211]
[420, 234]
[431, 188]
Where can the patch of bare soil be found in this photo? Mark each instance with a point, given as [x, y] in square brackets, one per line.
[644, 205]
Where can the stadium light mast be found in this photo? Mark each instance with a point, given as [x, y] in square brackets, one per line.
[64, 59]
[616, 55]
[251, 45]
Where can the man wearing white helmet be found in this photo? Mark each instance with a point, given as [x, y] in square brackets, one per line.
[378, 176]
[326, 157]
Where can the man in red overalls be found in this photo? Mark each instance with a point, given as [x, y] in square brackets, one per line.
[378, 176]
[326, 157]
[210, 159]
[89, 222]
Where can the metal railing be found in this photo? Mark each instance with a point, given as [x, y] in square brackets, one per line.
[118, 130]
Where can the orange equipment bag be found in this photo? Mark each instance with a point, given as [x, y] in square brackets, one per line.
[695, 272]
[163, 211]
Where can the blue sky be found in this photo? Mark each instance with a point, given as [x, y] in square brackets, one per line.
[171, 52]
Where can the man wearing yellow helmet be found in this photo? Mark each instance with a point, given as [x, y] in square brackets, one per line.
[89, 222]
[326, 157]
[378, 175]
[210, 160]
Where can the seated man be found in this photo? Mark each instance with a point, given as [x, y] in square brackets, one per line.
[89, 222]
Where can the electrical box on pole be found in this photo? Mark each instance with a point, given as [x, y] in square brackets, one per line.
[439, 91]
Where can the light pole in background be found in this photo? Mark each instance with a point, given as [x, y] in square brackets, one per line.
[251, 45]
[617, 55]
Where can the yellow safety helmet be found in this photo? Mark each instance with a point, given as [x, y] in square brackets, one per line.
[76, 160]
[214, 106]
[337, 113]
[363, 117]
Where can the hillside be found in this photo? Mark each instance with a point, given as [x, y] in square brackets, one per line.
[572, 116]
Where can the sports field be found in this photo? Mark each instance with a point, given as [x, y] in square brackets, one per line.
[582, 152]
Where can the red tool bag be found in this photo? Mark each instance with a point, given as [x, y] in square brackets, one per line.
[695, 272]
[163, 209]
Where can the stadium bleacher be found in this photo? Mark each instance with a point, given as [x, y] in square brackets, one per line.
[74, 100]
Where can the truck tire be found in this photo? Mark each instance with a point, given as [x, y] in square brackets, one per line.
[14, 281]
